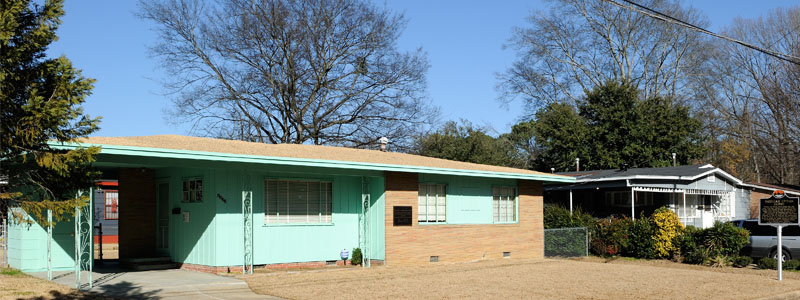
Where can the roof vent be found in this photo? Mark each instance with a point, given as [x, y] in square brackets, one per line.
[623, 167]
[383, 140]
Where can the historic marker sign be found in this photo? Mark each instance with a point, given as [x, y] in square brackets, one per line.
[778, 210]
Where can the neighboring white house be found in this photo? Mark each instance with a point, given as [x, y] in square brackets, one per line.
[699, 194]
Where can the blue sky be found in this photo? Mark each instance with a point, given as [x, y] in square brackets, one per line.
[463, 40]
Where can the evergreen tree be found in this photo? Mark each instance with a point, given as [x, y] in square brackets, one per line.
[466, 143]
[612, 127]
[41, 101]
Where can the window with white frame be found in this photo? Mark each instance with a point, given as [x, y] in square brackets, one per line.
[297, 201]
[111, 205]
[192, 190]
[504, 204]
[432, 203]
[711, 178]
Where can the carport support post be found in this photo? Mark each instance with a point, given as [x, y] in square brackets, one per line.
[633, 203]
[49, 247]
[570, 202]
[780, 253]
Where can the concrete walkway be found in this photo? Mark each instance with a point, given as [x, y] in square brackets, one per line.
[161, 284]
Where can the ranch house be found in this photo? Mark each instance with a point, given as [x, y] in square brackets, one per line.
[220, 206]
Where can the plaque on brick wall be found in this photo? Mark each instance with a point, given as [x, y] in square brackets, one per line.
[402, 216]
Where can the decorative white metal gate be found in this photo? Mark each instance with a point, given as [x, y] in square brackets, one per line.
[83, 240]
[364, 231]
[247, 222]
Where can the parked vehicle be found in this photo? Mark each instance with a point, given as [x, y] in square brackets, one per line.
[764, 240]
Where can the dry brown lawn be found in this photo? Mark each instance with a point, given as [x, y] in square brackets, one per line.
[587, 278]
[110, 251]
[21, 286]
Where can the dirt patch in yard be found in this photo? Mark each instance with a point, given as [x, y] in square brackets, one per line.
[589, 278]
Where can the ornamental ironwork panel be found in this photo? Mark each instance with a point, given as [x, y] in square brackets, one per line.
[83, 241]
[364, 222]
[247, 222]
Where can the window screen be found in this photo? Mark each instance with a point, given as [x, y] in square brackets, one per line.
[297, 201]
[432, 203]
[504, 204]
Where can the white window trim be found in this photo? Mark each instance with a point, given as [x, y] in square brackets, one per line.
[516, 204]
[427, 220]
[201, 190]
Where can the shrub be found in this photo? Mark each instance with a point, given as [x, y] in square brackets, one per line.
[768, 263]
[791, 264]
[725, 239]
[356, 258]
[742, 261]
[565, 243]
[610, 236]
[557, 216]
[640, 238]
[690, 246]
[667, 229]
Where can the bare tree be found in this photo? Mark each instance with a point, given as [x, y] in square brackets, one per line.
[756, 98]
[580, 44]
[290, 71]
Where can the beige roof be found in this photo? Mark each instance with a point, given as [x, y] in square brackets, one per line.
[179, 142]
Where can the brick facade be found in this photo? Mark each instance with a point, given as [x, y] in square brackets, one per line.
[414, 245]
[137, 217]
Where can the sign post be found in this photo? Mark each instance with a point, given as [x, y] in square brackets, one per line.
[779, 211]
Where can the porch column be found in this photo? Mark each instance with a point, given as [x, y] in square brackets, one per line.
[685, 216]
[633, 203]
[570, 202]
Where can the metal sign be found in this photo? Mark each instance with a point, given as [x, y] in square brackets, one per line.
[402, 216]
[779, 210]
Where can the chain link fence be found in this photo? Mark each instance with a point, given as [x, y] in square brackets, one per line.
[566, 242]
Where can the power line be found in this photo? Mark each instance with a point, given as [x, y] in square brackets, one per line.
[667, 18]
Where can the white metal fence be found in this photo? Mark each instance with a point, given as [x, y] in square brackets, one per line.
[566, 242]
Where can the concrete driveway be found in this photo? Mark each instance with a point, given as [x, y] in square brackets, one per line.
[160, 284]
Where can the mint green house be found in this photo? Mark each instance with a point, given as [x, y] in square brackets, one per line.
[220, 206]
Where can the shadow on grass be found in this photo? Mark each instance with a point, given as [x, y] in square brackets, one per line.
[122, 290]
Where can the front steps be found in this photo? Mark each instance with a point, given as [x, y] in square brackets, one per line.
[149, 263]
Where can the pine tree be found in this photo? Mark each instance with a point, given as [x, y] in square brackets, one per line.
[41, 101]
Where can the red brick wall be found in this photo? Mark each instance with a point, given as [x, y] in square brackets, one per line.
[755, 198]
[137, 217]
[409, 245]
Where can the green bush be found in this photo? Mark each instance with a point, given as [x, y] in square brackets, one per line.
[725, 239]
[610, 236]
[690, 246]
[768, 263]
[742, 261]
[557, 216]
[356, 258]
[640, 239]
[791, 264]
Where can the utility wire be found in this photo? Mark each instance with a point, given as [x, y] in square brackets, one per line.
[666, 18]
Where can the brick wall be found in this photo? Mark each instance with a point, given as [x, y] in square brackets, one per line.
[755, 199]
[137, 217]
[409, 245]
